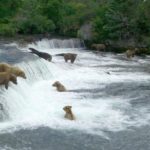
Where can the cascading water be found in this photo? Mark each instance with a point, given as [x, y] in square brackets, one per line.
[104, 90]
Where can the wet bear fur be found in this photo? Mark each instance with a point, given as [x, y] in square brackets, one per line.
[59, 86]
[69, 114]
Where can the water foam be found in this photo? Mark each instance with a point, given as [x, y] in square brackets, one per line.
[34, 102]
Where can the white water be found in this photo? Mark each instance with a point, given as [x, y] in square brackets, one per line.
[34, 102]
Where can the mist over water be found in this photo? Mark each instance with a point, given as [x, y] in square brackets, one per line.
[107, 91]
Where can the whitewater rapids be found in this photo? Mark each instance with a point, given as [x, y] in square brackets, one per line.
[102, 89]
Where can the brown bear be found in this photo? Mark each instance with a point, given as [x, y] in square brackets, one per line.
[99, 47]
[68, 56]
[69, 115]
[130, 53]
[5, 77]
[59, 86]
[14, 70]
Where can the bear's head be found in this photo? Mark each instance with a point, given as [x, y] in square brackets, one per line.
[18, 72]
[56, 84]
[21, 74]
[67, 109]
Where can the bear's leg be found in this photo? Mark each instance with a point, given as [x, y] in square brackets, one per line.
[6, 85]
[72, 60]
[66, 60]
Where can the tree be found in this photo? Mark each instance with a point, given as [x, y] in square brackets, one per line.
[30, 20]
[53, 10]
[116, 19]
[8, 9]
[72, 18]
[143, 23]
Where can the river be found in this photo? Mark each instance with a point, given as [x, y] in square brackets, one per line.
[109, 95]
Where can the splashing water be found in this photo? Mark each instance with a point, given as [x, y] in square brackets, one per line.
[101, 101]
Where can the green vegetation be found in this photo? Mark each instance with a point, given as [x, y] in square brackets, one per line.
[112, 21]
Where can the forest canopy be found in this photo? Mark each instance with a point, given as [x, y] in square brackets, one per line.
[110, 20]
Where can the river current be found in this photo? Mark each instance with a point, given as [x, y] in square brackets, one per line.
[109, 95]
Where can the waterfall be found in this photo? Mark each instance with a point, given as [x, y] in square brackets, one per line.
[34, 102]
[46, 44]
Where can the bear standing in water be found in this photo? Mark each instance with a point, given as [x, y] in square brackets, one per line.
[68, 56]
[98, 47]
[130, 53]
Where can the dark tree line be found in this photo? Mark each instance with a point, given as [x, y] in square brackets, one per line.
[123, 20]
[111, 20]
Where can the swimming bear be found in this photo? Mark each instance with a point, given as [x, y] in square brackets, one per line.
[59, 86]
[69, 114]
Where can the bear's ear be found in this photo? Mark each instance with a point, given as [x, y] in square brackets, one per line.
[6, 85]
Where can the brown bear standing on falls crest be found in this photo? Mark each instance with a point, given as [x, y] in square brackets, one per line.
[68, 56]
[69, 115]
[43, 55]
[5, 77]
[14, 70]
